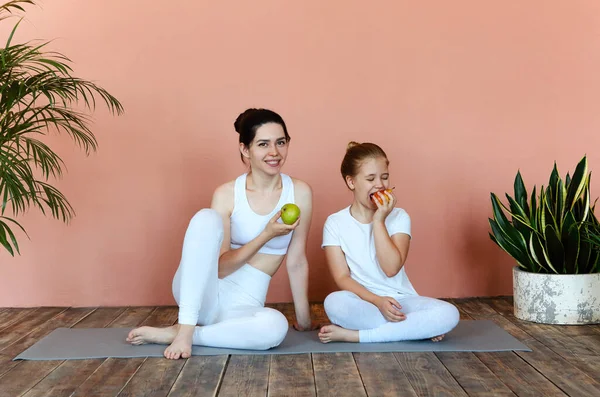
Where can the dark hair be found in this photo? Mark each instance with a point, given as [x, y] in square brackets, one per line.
[356, 153]
[248, 122]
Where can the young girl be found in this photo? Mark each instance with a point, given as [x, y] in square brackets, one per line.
[366, 245]
[231, 250]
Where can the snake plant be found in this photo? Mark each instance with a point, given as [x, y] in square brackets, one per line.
[550, 231]
[39, 95]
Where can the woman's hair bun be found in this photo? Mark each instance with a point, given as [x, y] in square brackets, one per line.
[239, 122]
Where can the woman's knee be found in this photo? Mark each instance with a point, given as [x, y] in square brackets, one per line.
[207, 218]
[274, 328]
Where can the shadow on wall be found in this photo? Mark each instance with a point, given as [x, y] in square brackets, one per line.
[485, 263]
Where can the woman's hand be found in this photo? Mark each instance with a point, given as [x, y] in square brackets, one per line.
[276, 229]
[385, 206]
[311, 327]
[390, 309]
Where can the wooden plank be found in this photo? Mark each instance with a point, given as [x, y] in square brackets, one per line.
[154, 378]
[114, 373]
[474, 377]
[163, 316]
[518, 375]
[427, 375]
[200, 376]
[471, 306]
[62, 381]
[109, 378]
[20, 376]
[9, 316]
[382, 375]
[131, 317]
[511, 369]
[317, 312]
[100, 318]
[291, 375]
[564, 374]
[336, 374]
[246, 376]
[27, 324]
[69, 375]
[570, 348]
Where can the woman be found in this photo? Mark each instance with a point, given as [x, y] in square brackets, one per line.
[231, 251]
[366, 245]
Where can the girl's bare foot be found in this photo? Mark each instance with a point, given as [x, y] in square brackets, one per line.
[143, 335]
[334, 333]
[438, 338]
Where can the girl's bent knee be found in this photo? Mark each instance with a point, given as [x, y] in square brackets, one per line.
[450, 316]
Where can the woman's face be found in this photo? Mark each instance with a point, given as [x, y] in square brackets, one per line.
[268, 150]
[372, 176]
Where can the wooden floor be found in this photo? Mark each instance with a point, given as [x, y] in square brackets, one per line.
[565, 361]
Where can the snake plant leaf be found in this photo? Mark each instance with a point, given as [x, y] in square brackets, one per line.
[553, 187]
[533, 218]
[518, 252]
[516, 209]
[521, 194]
[536, 250]
[548, 212]
[561, 193]
[567, 223]
[583, 264]
[541, 213]
[572, 249]
[554, 249]
[577, 183]
[510, 232]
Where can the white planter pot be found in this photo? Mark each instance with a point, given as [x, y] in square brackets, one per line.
[557, 298]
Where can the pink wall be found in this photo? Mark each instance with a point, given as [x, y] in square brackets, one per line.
[460, 94]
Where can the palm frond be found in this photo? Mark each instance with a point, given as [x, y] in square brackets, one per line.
[39, 95]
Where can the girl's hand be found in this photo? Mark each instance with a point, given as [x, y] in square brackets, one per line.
[385, 206]
[276, 229]
[390, 309]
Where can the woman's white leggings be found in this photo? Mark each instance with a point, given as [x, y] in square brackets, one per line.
[230, 312]
[425, 317]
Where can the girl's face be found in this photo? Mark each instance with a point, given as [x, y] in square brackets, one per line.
[372, 176]
[268, 150]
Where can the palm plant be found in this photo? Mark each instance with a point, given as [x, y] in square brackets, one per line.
[38, 96]
[551, 232]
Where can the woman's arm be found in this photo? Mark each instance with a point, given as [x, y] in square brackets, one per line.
[232, 259]
[296, 262]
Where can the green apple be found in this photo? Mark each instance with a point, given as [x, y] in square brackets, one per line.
[289, 213]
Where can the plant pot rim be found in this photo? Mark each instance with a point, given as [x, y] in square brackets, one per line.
[518, 269]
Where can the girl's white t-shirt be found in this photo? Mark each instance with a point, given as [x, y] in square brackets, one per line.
[356, 241]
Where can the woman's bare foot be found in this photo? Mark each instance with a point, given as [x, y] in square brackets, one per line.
[182, 344]
[143, 335]
[178, 337]
[438, 338]
[334, 333]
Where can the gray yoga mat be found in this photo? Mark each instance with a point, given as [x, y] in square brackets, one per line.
[84, 343]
